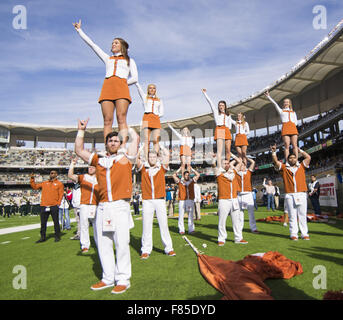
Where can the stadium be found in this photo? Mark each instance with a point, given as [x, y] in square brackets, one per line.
[315, 87]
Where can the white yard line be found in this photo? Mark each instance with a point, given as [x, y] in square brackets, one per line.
[27, 227]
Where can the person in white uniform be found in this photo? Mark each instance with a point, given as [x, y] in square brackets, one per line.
[153, 193]
[113, 218]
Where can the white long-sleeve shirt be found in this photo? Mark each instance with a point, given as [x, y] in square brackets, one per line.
[286, 114]
[241, 128]
[118, 68]
[185, 141]
[269, 189]
[221, 119]
[151, 104]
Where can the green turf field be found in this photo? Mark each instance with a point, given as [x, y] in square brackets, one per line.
[60, 271]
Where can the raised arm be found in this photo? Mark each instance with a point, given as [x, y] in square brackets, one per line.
[214, 109]
[307, 157]
[79, 141]
[141, 92]
[133, 73]
[100, 53]
[276, 162]
[33, 184]
[132, 149]
[197, 174]
[277, 107]
[252, 164]
[71, 175]
[165, 155]
[175, 177]
[175, 132]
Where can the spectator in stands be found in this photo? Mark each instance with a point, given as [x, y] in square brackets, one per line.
[270, 191]
[52, 194]
[314, 193]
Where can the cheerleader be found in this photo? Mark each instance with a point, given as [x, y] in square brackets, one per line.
[153, 111]
[222, 133]
[241, 140]
[289, 120]
[185, 149]
[115, 94]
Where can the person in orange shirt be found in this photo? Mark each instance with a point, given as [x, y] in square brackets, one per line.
[294, 179]
[52, 194]
[153, 193]
[186, 198]
[88, 203]
[228, 200]
[113, 218]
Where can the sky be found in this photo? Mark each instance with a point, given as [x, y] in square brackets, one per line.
[49, 76]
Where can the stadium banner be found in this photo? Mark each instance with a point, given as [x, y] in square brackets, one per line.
[314, 149]
[328, 195]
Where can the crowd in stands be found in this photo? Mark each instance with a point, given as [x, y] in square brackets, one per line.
[24, 178]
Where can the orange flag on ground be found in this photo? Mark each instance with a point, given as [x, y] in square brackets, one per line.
[244, 279]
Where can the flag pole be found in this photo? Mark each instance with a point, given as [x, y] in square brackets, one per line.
[191, 244]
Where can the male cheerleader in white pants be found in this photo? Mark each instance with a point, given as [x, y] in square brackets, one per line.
[88, 203]
[186, 198]
[245, 196]
[228, 201]
[294, 179]
[113, 218]
[153, 193]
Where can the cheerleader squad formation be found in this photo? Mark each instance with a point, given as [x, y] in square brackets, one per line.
[106, 189]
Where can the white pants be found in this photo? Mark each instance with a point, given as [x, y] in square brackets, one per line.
[296, 204]
[84, 226]
[149, 208]
[197, 209]
[246, 201]
[117, 270]
[186, 206]
[226, 207]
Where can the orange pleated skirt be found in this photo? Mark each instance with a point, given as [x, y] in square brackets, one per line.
[185, 151]
[151, 121]
[289, 129]
[222, 132]
[241, 140]
[115, 88]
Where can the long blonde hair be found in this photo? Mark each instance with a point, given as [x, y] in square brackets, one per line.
[147, 91]
[243, 118]
[290, 103]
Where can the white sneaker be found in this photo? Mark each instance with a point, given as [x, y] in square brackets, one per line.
[285, 224]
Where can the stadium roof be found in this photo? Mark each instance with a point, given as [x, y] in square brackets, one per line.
[325, 58]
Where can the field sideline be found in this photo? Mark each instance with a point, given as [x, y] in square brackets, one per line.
[58, 271]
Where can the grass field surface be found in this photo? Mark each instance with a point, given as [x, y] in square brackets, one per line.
[59, 271]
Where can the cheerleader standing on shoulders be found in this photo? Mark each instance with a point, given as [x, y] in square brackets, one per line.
[241, 139]
[115, 93]
[186, 148]
[289, 120]
[222, 133]
[153, 111]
